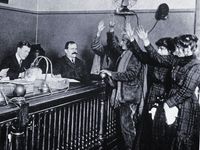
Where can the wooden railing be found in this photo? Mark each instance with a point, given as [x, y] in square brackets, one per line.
[79, 119]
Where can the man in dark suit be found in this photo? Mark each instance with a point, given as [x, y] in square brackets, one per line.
[69, 66]
[16, 63]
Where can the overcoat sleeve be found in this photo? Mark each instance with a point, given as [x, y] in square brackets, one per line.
[167, 62]
[97, 47]
[191, 81]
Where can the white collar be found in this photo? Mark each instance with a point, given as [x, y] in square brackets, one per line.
[18, 58]
[71, 59]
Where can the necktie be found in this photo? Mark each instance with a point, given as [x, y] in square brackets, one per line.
[20, 62]
[73, 60]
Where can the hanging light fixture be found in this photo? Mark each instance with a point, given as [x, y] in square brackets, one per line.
[124, 6]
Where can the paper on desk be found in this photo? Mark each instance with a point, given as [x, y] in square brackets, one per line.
[3, 72]
[5, 79]
[72, 80]
[69, 79]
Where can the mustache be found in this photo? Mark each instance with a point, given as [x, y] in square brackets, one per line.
[74, 53]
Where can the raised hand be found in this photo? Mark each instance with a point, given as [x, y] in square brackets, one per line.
[101, 27]
[130, 32]
[142, 34]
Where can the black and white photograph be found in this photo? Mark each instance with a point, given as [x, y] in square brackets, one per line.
[99, 75]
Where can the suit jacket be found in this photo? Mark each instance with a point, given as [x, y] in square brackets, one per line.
[14, 68]
[132, 81]
[67, 69]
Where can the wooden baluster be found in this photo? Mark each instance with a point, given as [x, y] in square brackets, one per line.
[84, 126]
[26, 138]
[49, 130]
[97, 121]
[8, 146]
[72, 128]
[33, 133]
[87, 125]
[59, 128]
[54, 129]
[109, 119]
[44, 130]
[93, 120]
[75, 125]
[38, 131]
[64, 128]
[90, 124]
[102, 120]
[68, 128]
[80, 124]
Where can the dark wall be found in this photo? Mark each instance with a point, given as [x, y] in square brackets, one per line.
[15, 25]
[56, 28]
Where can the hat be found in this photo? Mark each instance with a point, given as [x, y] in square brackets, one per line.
[37, 48]
[162, 12]
[166, 42]
[186, 40]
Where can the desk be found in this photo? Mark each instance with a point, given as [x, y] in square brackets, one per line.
[80, 118]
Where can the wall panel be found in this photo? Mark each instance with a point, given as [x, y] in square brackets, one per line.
[82, 5]
[15, 26]
[54, 29]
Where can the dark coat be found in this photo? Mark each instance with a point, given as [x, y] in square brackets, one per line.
[160, 79]
[67, 69]
[160, 76]
[132, 81]
[132, 78]
[185, 78]
[14, 68]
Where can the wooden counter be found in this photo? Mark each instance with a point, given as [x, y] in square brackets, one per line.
[80, 118]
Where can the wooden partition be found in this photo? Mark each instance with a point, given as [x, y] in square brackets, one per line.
[78, 119]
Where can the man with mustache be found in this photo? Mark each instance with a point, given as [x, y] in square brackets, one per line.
[69, 66]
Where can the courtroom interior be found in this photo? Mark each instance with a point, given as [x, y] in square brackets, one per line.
[99, 74]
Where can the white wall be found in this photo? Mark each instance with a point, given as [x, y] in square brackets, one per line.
[82, 5]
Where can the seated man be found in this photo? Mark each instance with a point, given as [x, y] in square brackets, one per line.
[69, 66]
[16, 64]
